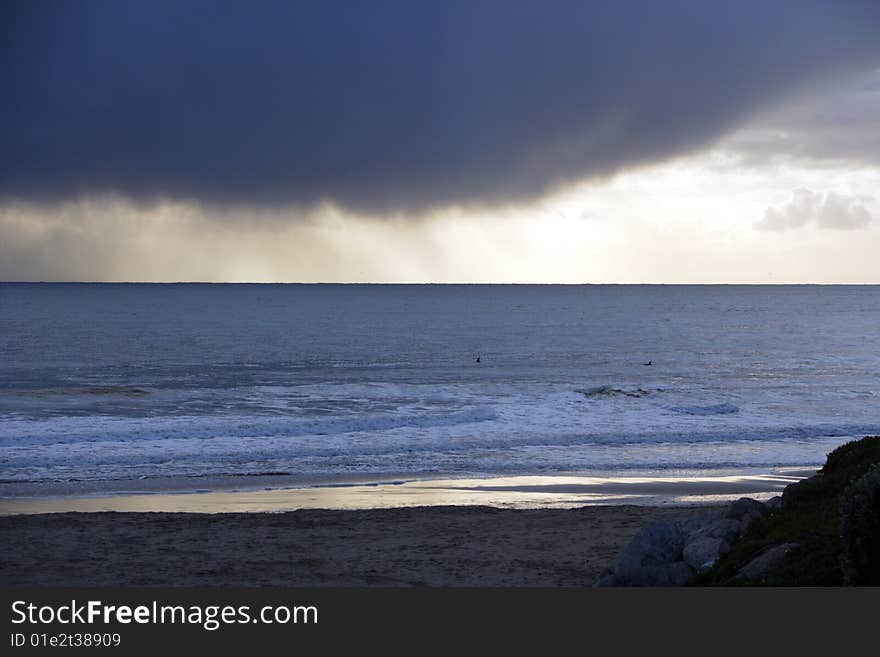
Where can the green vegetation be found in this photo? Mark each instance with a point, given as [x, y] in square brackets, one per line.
[833, 517]
[860, 530]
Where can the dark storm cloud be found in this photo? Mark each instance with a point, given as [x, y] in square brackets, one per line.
[839, 123]
[384, 106]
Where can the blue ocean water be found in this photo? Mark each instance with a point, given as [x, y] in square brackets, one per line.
[119, 382]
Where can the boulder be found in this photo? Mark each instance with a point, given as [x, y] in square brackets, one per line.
[745, 509]
[701, 553]
[677, 573]
[727, 529]
[605, 579]
[667, 553]
[657, 543]
[692, 527]
[762, 565]
[774, 503]
[650, 558]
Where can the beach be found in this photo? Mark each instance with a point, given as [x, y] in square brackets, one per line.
[347, 435]
[415, 546]
[503, 531]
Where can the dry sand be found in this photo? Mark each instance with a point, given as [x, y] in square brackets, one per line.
[416, 546]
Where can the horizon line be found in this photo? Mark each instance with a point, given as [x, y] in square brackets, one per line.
[569, 284]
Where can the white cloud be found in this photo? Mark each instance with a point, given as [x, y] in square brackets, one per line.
[825, 210]
[679, 222]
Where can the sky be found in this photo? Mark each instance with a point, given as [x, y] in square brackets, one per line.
[462, 142]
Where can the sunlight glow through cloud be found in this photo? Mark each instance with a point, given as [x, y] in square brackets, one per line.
[688, 220]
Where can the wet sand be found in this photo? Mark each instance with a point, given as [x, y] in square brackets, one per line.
[415, 546]
[520, 492]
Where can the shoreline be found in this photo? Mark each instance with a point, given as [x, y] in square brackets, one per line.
[514, 492]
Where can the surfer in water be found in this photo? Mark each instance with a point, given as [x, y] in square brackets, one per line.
[648, 363]
[478, 359]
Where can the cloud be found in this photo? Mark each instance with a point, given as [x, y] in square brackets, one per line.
[390, 106]
[828, 210]
[676, 222]
[838, 124]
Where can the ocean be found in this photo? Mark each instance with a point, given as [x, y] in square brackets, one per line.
[103, 385]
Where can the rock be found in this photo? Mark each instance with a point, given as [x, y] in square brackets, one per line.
[774, 503]
[645, 560]
[727, 529]
[693, 526]
[758, 568]
[795, 492]
[658, 543]
[745, 508]
[677, 573]
[606, 580]
[702, 553]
